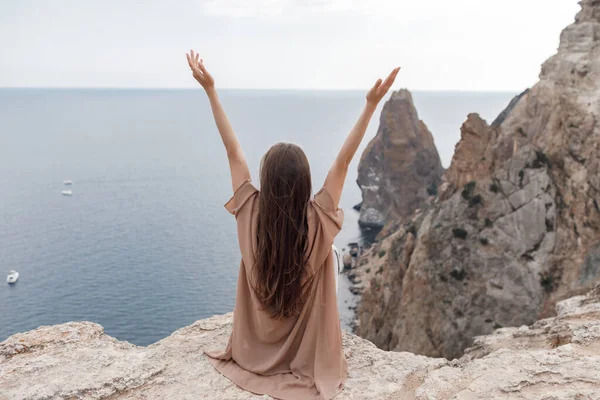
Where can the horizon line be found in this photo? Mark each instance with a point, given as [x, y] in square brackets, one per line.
[250, 89]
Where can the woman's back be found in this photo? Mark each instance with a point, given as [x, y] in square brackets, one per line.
[296, 357]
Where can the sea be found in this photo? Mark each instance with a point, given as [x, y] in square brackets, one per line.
[144, 245]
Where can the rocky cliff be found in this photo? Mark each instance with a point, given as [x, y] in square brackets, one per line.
[77, 360]
[516, 223]
[400, 168]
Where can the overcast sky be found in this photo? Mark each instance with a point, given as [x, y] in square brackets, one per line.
[299, 44]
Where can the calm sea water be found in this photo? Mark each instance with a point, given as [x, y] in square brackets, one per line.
[144, 245]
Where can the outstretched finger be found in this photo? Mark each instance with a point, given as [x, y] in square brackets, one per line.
[196, 59]
[189, 60]
[395, 74]
[377, 84]
[387, 79]
[390, 79]
[203, 68]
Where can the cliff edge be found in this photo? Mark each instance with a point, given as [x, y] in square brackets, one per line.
[77, 360]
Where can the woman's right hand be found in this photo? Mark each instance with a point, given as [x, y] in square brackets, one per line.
[199, 71]
[380, 88]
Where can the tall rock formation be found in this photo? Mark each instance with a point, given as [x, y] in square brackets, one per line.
[516, 224]
[400, 168]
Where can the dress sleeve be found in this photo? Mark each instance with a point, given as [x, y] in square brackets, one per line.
[240, 197]
[329, 222]
[335, 215]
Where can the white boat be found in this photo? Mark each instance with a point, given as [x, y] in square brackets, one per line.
[12, 276]
[69, 182]
[67, 192]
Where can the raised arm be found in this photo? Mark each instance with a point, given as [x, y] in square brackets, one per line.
[237, 160]
[334, 182]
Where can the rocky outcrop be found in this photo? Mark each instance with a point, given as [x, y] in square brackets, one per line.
[400, 168]
[77, 360]
[516, 223]
[472, 158]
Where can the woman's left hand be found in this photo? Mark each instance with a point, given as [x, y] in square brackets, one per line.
[199, 71]
[377, 92]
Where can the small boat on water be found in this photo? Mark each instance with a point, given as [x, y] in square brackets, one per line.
[12, 276]
[67, 193]
[68, 182]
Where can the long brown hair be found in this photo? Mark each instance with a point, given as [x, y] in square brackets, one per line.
[280, 268]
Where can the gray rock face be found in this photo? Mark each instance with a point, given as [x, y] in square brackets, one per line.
[516, 225]
[399, 164]
[77, 360]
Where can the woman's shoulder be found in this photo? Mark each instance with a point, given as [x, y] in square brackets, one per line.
[325, 221]
[324, 203]
[242, 194]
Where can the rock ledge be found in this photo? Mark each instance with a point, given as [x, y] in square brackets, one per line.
[558, 356]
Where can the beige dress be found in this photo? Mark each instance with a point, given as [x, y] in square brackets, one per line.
[299, 357]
